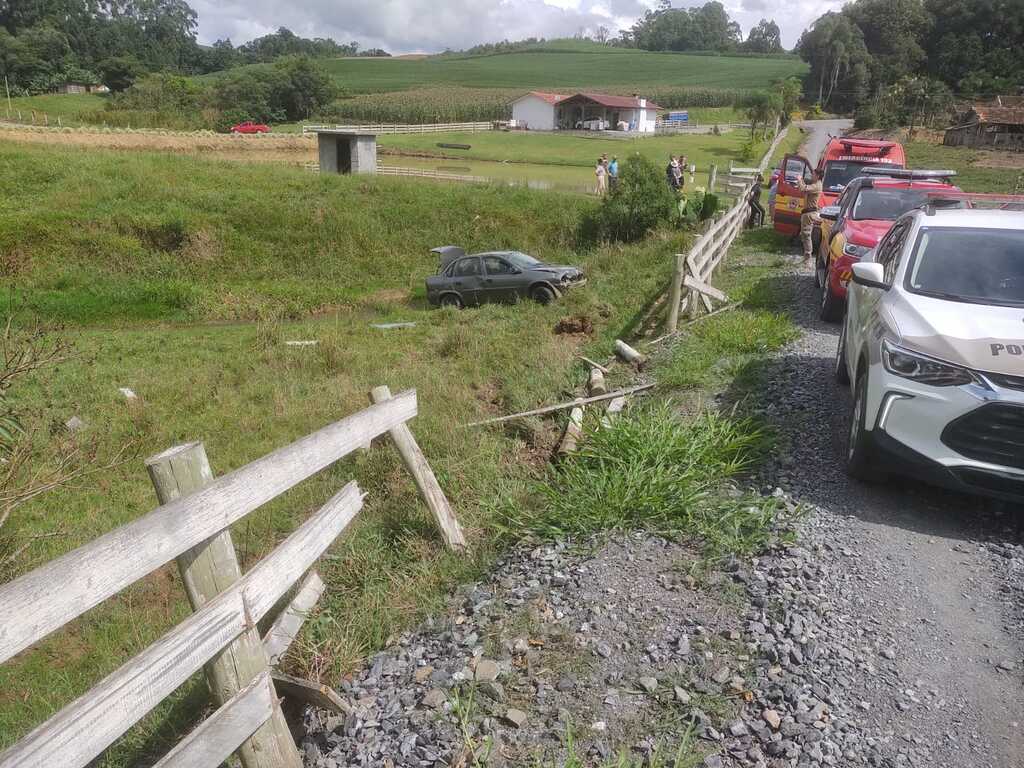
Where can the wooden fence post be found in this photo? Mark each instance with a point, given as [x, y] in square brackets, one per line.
[206, 570]
[675, 295]
[712, 178]
[421, 472]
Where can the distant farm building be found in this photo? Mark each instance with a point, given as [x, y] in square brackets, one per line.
[989, 127]
[79, 87]
[544, 111]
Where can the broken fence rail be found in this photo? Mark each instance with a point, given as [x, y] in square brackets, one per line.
[193, 525]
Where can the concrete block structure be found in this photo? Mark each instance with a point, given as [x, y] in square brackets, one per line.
[346, 151]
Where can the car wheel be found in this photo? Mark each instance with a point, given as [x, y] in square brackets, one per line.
[831, 310]
[859, 448]
[842, 373]
[451, 300]
[542, 294]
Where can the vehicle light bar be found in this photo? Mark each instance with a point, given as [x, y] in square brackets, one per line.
[936, 199]
[868, 147]
[908, 173]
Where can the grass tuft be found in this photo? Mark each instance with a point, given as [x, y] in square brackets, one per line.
[658, 471]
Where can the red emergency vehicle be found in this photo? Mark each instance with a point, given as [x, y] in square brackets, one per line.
[840, 163]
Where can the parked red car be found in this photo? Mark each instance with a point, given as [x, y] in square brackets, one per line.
[861, 217]
[250, 127]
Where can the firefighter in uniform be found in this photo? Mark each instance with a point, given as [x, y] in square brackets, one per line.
[809, 216]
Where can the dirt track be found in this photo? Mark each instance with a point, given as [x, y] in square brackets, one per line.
[279, 148]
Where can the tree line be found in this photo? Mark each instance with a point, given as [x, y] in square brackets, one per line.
[705, 28]
[904, 61]
[46, 43]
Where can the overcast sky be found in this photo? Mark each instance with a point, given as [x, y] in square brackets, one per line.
[409, 26]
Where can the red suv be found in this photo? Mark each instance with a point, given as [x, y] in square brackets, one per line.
[250, 127]
[860, 218]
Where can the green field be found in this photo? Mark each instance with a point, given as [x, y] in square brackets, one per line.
[134, 253]
[970, 176]
[70, 106]
[549, 69]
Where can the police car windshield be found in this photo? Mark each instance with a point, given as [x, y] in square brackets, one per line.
[839, 173]
[887, 204]
[977, 266]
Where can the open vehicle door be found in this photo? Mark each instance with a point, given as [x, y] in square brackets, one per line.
[789, 200]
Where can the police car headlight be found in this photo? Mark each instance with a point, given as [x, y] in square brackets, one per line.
[856, 251]
[922, 369]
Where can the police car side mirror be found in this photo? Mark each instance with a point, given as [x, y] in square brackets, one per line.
[830, 212]
[869, 274]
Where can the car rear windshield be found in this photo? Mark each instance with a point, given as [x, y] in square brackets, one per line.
[839, 173]
[978, 266]
[889, 204]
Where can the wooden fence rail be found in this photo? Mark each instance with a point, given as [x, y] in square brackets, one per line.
[192, 525]
[405, 128]
[711, 247]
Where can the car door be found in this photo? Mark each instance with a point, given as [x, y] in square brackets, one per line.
[466, 279]
[869, 325]
[834, 238]
[789, 200]
[501, 280]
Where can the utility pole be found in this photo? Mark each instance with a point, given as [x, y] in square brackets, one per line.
[8, 87]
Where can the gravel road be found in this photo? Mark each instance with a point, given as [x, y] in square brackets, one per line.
[925, 585]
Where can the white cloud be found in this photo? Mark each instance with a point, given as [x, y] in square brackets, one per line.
[403, 26]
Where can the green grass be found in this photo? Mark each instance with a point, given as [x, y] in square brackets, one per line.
[71, 107]
[131, 250]
[970, 177]
[547, 69]
[569, 148]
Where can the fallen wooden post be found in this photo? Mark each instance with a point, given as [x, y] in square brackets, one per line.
[430, 489]
[595, 384]
[627, 353]
[563, 406]
[308, 692]
[573, 432]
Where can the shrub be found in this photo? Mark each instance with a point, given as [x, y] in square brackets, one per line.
[709, 206]
[640, 202]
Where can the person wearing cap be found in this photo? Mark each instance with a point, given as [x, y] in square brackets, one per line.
[809, 217]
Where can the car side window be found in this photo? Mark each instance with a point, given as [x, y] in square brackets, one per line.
[496, 266]
[889, 253]
[467, 267]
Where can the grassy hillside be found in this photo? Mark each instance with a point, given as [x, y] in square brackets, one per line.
[971, 165]
[70, 106]
[118, 245]
[552, 69]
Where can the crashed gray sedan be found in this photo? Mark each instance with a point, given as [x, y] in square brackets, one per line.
[496, 276]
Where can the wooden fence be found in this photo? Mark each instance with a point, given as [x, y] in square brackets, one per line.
[400, 128]
[193, 525]
[693, 270]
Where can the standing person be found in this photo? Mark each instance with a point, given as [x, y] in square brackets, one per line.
[613, 173]
[678, 170]
[682, 171]
[756, 209]
[672, 172]
[809, 217]
[602, 177]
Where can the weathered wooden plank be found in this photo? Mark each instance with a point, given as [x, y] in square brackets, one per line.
[87, 726]
[45, 599]
[308, 692]
[695, 284]
[212, 742]
[563, 406]
[426, 482]
[573, 432]
[627, 353]
[207, 570]
[286, 626]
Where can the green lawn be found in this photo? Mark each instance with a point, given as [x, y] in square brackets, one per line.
[570, 148]
[548, 69]
[970, 177]
[70, 106]
[132, 250]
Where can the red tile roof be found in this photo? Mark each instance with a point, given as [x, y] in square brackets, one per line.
[550, 98]
[614, 102]
[1000, 115]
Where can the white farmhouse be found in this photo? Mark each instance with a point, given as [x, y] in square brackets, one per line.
[537, 111]
[542, 111]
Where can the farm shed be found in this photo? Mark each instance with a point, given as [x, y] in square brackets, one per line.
[342, 151]
[539, 110]
[989, 127]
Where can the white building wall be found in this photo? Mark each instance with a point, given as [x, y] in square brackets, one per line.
[534, 113]
[646, 121]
